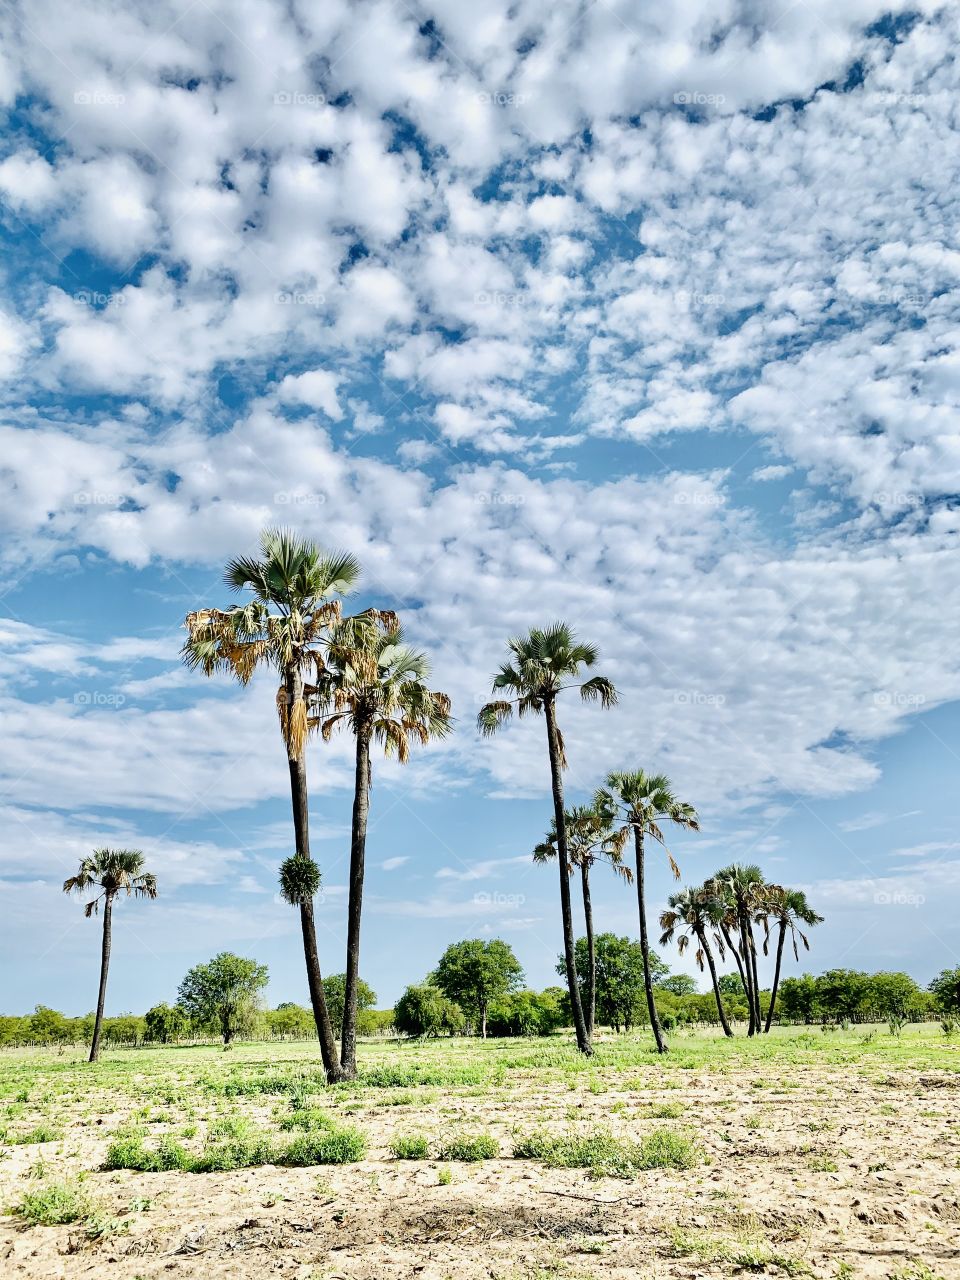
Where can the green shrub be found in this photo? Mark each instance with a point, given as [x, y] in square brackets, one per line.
[604, 1155]
[42, 1133]
[334, 1146]
[308, 1118]
[479, 1146]
[411, 1147]
[54, 1204]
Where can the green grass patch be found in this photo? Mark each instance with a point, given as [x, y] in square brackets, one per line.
[54, 1204]
[413, 1146]
[608, 1156]
[467, 1146]
[246, 1147]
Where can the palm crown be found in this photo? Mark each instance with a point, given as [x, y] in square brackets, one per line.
[544, 662]
[692, 912]
[589, 839]
[294, 587]
[372, 681]
[112, 871]
[641, 801]
[789, 908]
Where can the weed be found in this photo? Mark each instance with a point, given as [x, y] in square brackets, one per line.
[54, 1204]
[604, 1155]
[479, 1146]
[410, 1147]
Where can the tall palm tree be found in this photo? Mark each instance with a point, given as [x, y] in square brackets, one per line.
[376, 686]
[696, 913]
[542, 665]
[295, 589]
[588, 841]
[111, 871]
[641, 801]
[789, 909]
[741, 888]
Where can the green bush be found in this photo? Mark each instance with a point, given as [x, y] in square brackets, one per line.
[334, 1146]
[57, 1203]
[479, 1146]
[605, 1155]
[410, 1147]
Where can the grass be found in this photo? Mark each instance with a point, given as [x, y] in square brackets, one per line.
[747, 1252]
[608, 1156]
[464, 1146]
[54, 1204]
[412, 1146]
[239, 1146]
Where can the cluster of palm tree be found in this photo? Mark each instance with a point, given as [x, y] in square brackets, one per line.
[334, 672]
[356, 673]
[733, 907]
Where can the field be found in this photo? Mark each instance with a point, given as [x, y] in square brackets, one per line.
[830, 1154]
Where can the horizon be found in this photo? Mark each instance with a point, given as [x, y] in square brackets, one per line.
[649, 326]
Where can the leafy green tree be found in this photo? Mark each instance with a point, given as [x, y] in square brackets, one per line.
[679, 984]
[165, 1023]
[894, 995]
[335, 988]
[695, 913]
[789, 909]
[425, 1011]
[295, 589]
[945, 989]
[589, 839]
[224, 993]
[291, 1021]
[543, 664]
[619, 978]
[639, 802]
[49, 1026]
[798, 998]
[527, 1013]
[375, 685]
[110, 872]
[474, 973]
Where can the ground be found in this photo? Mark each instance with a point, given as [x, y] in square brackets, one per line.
[829, 1154]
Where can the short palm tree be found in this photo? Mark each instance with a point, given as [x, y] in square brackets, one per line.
[588, 841]
[376, 686]
[694, 913]
[542, 665]
[295, 589]
[741, 889]
[788, 908]
[639, 802]
[110, 871]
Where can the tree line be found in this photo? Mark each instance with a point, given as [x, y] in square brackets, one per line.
[457, 1002]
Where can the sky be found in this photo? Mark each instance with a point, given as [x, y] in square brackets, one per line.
[642, 316]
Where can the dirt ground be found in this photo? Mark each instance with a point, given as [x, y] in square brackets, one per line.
[808, 1165]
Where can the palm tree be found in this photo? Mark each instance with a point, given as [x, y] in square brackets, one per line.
[789, 908]
[376, 686]
[284, 626]
[641, 801]
[588, 840]
[542, 665]
[697, 914]
[741, 889]
[111, 871]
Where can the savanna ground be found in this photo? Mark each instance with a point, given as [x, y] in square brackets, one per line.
[803, 1153]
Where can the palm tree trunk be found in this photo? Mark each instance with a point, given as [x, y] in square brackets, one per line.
[776, 974]
[104, 968]
[645, 945]
[566, 911]
[358, 845]
[301, 826]
[705, 945]
[735, 952]
[756, 980]
[590, 1012]
[748, 976]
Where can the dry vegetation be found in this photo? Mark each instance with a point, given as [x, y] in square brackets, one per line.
[806, 1153]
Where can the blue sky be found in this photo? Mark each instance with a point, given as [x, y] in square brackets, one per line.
[640, 316]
